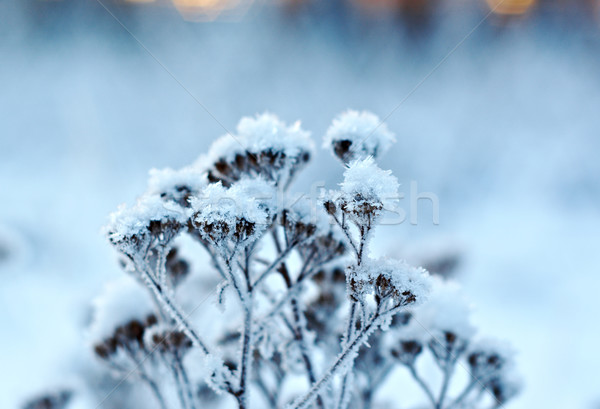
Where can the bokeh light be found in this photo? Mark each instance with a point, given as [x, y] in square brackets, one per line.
[511, 7]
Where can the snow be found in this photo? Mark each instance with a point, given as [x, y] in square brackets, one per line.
[267, 132]
[367, 134]
[160, 330]
[501, 373]
[263, 132]
[402, 277]
[252, 201]
[309, 211]
[167, 181]
[120, 302]
[134, 221]
[364, 179]
[515, 184]
[493, 346]
[447, 310]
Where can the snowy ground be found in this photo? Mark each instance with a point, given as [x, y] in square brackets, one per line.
[505, 132]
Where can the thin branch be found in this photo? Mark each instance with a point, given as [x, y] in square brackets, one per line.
[291, 292]
[141, 373]
[301, 339]
[445, 384]
[474, 382]
[230, 276]
[347, 233]
[246, 350]
[174, 311]
[245, 359]
[422, 384]
[342, 363]
[178, 383]
[270, 397]
[348, 336]
[187, 387]
[274, 264]
[161, 267]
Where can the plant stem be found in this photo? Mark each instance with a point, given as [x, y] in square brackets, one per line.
[299, 334]
[187, 387]
[349, 332]
[445, 383]
[422, 384]
[343, 361]
[246, 354]
[245, 359]
[174, 311]
[177, 378]
[274, 264]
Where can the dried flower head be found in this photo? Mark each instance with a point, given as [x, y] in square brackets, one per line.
[166, 339]
[53, 400]
[177, 268]
[177, 185]
[309, 226]
[357, 135]
[134, 230]
[264, 146]
[389, 279]
[297, 228]
[492, 363]
[505, 386]
[236, 214]
[447, 313]
[120, 313]
[487, 358]
[365, 192]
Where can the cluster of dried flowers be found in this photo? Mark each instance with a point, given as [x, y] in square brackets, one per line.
[308, 318]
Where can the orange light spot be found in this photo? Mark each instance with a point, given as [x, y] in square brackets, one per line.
[510, 7]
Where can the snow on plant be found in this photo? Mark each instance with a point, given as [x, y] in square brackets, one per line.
[354, 135]
[309, 318]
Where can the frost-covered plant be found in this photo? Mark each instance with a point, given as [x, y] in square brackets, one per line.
[306, 318]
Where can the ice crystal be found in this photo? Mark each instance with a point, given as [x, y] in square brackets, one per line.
[355, 135]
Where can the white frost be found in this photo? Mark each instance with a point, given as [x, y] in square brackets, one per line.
[402, 277]
[251, 200]
[121, 301]
[266, 131]
[447, 310]
[367, 134]
[366, 180]
[260, 133]
[167, 180]
[129, 221]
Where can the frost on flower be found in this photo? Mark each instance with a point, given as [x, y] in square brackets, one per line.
[365, 192]
[266, 132]
[238, 213]
[492, 362]
[442, 323]
[166, 339]
[308, 227]
[134, 229]
[357, 135]
[488, 357]
[328, 319]
[55, 399]
[446, 312]
[263, 146]
[505, 386]
[121, 313]
[406, 343]
[390, 279]
[177, 185]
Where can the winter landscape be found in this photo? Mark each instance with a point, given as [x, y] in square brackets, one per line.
[299, 204]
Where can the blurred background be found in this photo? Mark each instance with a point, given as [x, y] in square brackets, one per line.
[505, 131]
